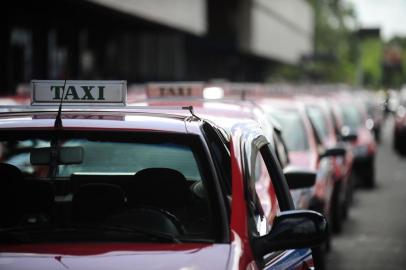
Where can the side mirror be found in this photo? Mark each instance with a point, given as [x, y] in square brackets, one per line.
[334, 151]
[299, 178]
[349, 138]
[348, 135]
[293, 230]
[370, 124]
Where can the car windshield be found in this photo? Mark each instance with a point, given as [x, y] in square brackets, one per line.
[293, 130]
[105, 187]
[316, 116]
[126, 157]
[351, 117]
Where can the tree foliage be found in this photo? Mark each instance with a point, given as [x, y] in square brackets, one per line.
[335, 46]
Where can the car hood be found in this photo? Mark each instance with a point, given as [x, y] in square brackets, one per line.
[120, 256]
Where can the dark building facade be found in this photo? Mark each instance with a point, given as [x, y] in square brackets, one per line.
[78, 39]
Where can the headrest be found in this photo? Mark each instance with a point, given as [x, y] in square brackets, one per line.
[95, 202]
[37, 200]
[10, 173]
[38, 196]
[161, 186]
[161, 174]
[11, 182]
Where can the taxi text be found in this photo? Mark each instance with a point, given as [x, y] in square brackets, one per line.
[88, 93]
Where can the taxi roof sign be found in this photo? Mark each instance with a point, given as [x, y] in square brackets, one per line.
[175, 89]
[78, 92]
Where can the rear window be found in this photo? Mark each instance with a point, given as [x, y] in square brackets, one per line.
[106, 187]
[125, 157]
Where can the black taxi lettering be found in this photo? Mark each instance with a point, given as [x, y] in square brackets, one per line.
[175, 91]
[87, 90]
[57, 91]
[72, 93]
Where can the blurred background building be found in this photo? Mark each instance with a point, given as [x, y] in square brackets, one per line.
[161, 40]
[144, 40]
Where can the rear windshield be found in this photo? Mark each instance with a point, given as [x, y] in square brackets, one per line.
[105, 187]
[293, 130]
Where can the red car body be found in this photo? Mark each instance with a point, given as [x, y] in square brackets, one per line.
[226, 113]
[351, 119]
[309, 158]
[235, 253]
[307, 155]
[320, 113]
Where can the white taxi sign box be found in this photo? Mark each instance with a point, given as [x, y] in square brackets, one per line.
[179, 89]
[78, 92]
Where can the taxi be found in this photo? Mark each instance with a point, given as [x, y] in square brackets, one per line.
[210, 101]
[356, 128]
[399, 128]
[299, 135]
[399, 131]
[305, 151]
[90, 182]
[21, 96]
[226, 112]
[373, 104]
[319, 113]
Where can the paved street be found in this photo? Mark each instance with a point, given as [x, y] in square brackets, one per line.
[374, 236]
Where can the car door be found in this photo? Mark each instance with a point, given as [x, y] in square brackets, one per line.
[268, 195]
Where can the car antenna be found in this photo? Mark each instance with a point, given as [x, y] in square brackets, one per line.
[58, 119]
[54, 142]
[190, 109]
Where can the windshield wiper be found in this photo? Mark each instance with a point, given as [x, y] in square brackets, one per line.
[20, 234]
[26, 234]
[142, 231]
[121, 229]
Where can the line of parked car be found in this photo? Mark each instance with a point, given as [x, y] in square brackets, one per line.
[331, 131]
[188, 162]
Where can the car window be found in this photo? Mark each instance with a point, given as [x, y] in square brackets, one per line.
[126, 187]
[351, 117]
[280, 150]
[293, 130]
[17, 153]
[265, 189]
[114, 157]
[124, 157]
[319, 121]
[263, 202]
[219, 145]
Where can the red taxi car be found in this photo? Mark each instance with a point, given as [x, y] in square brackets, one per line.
[319, 112]
[213, 105]
[225, 112]
[21, 97]
[307, 152]
[301, 142]
[399, 128]
[241, 94]
[375, 114]
[352, 118]
[123, 187]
